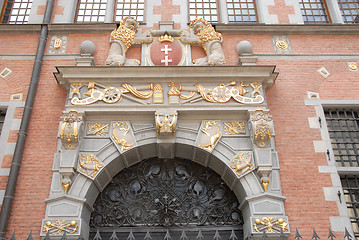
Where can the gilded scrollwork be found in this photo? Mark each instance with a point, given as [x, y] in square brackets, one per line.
[69, 129]
[269, 224]
[58, 227]
[221, 93]
[89, 165]
[242, 163]
[166, 123]
[209, 135]
[234, 128]
[98, 129]
[108, 94]
[121, 136]
[262, 128]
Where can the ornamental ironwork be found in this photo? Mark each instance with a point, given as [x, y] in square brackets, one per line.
[167, 193]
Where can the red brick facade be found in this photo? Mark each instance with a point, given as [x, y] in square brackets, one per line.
[301, 182]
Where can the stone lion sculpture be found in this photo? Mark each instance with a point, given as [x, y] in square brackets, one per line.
[211, 43]
[121, 39]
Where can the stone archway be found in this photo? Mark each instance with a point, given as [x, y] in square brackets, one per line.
[160, 195]
[201, 134]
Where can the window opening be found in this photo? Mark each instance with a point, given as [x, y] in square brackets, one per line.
[91, 11]
[349, 10]
[128, 8]
[350, 186]
[206, 9]
[2, 119]
[16, 11]
[241, 11]
[314, 11]
[344, 136]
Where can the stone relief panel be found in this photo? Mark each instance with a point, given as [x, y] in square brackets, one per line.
[209, 134]
[97, 129]
[233, 92]
[242, 163]
[122, 135]
[89, 165]
[234, 128]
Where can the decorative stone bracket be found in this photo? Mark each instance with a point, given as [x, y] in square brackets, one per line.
[71, 130]
[166, 123]
[262, 128]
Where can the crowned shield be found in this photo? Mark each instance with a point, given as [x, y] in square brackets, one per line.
[166, 51]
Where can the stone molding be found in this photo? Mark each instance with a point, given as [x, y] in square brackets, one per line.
[270, 29]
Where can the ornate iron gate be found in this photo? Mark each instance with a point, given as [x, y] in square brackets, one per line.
[167, 199]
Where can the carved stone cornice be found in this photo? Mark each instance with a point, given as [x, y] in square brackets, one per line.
[208, 74]
[289, 29]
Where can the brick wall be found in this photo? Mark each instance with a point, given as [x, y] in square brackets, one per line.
[301, 182]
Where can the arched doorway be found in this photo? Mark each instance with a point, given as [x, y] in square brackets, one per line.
[176, 198]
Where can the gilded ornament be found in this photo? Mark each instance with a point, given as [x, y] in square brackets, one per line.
[262, 128]
[89, 165]
[121, 39]
[58, 43]
[60, 227]
[164, 123]
[233, 128]
[242, 163]
[157, 93]
[96, 92]
[353, 66]
[268, 224]
[136, 93]
[211, 43]
[125, 33]
[120, 135]
[281, 44]
[205, 31]
[75, 90]
[211, 134]
[224, 92]
[69, 129]
[166, 38]
[98, 129]
[66, 185]
[112, 95]
[256, 88]
[265, 183]
[91, 89]
[173, 93]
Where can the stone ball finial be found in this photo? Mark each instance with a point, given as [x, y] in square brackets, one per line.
[87, 47]
[244, 48]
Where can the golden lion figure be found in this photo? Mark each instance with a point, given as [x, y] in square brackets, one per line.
[211, 43]
[121, 40]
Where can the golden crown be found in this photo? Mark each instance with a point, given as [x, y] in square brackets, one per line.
[165, 38]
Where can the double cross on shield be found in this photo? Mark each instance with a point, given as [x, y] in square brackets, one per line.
[166, 51]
